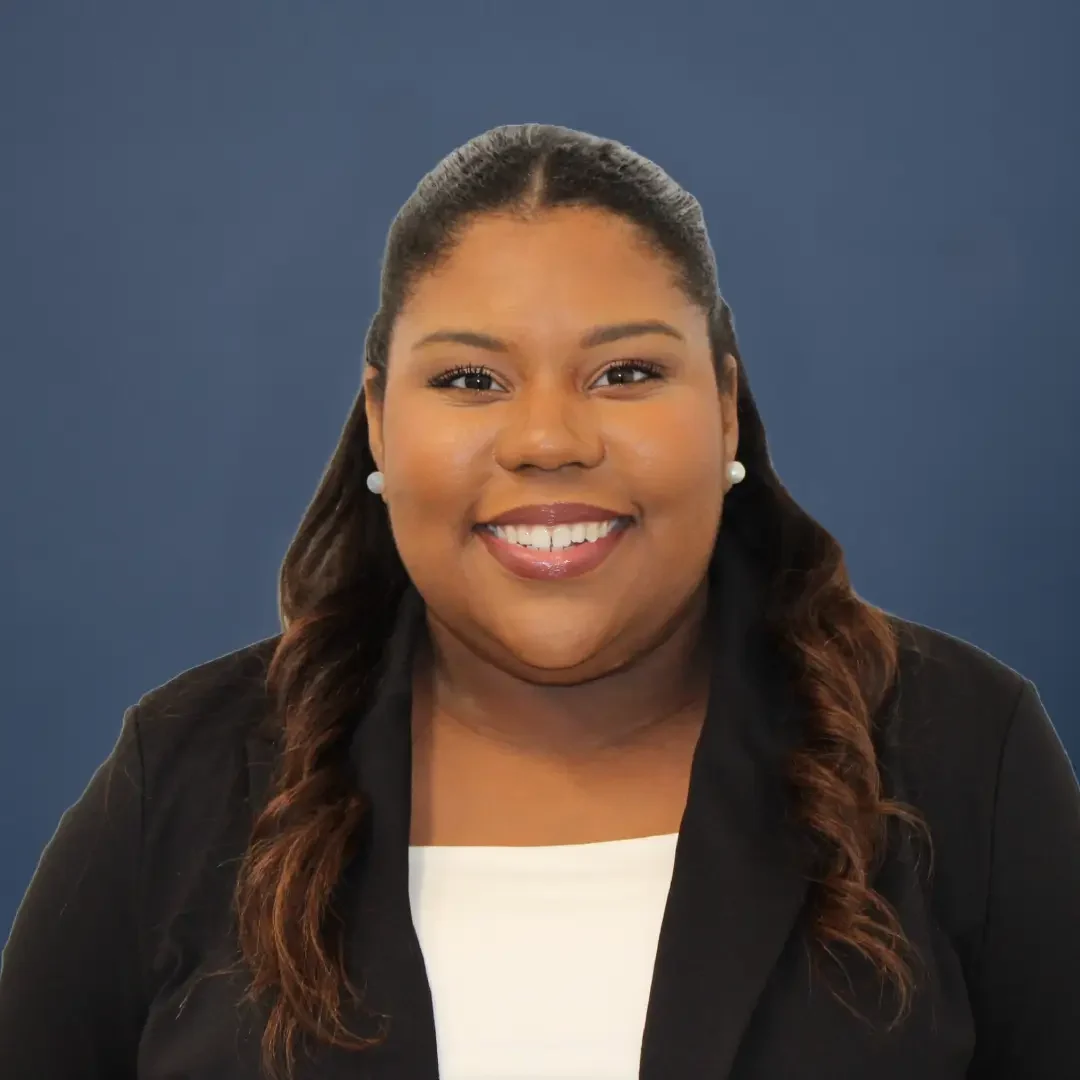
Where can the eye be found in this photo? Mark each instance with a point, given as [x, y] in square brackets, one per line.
[466, 377]
[628, 373]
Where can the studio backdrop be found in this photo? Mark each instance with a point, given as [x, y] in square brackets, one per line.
[194, 200]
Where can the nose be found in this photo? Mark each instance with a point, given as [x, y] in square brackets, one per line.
[549, 428]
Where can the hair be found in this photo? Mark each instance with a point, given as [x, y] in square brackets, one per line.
[342, 578]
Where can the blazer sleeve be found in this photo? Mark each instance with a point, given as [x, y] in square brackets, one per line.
[1027, 991]
[71, 1004]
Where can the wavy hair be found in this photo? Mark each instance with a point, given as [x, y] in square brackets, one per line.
[342, 578]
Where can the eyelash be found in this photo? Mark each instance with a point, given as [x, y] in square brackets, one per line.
[444, 380]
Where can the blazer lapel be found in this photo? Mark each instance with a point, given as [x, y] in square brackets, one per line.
[738, 883]
[382, 952]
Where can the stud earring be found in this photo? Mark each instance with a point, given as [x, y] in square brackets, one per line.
[375, 483]
[736, 472]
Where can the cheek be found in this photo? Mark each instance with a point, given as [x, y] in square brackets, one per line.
[672, 459]
[435, 470]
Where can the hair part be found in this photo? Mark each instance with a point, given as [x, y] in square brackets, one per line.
[341, 581]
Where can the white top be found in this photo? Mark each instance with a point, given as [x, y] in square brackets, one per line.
[540, 959]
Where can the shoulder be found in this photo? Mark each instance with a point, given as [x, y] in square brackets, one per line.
[195, 726]
[945, 733]
[197, 738]
[222, 681]
[950, 684]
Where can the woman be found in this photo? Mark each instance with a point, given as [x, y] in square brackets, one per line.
[578, 755]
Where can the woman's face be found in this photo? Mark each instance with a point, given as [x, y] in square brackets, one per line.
[601, 462]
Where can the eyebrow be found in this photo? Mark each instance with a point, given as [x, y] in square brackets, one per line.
[598, 335]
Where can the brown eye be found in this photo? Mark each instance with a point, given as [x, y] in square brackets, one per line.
[475, 379]
[626, 374]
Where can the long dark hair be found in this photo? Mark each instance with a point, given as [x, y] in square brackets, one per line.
[341, 580]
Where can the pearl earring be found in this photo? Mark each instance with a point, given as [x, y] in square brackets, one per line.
[375, 483]
[736, 472]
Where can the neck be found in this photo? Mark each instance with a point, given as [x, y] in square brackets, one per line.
[661, 694]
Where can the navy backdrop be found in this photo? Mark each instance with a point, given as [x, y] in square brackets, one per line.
[194, 202]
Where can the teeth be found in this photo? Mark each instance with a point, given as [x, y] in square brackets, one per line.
[539, 537]
[559, 538]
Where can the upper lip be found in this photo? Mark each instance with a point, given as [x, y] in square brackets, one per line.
[551, 514]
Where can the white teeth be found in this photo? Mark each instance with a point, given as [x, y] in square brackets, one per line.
[559, 538]
[540, 538]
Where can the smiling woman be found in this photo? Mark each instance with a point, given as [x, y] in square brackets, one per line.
[578, 755]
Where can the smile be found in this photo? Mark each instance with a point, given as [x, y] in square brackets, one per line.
[554, 551]
[559, 538]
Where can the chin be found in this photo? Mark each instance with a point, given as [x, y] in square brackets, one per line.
[555, 651]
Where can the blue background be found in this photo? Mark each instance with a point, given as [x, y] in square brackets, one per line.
[194, 200]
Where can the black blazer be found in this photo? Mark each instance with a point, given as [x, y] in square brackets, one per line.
[107, 973]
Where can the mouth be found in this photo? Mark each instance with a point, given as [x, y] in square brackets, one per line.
[554, 542]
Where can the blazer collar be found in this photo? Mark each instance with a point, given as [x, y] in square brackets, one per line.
[739, 880]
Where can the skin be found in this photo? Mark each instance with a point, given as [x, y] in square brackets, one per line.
[574, 706]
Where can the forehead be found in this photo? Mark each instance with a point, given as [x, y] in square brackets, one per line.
[568, 266]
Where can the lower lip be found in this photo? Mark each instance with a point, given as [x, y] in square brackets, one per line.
[552, 565]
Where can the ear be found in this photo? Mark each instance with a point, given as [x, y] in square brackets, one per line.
[373, 407]
[728, 383]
